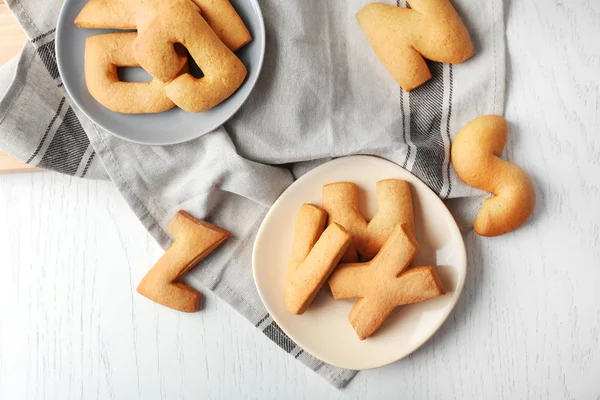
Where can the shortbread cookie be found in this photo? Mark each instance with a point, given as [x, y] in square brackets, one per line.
[315, 253]
[180, 22]
[394, 203]
[103, 54]
[194, 240]
[226, 22]
[126, 14]
[401, 37]
[382, 284]
[475, 157]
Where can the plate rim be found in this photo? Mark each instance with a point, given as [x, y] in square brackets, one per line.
[61, 21]
[438, 324]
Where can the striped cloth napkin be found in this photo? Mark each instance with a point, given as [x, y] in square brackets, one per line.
[322, 94]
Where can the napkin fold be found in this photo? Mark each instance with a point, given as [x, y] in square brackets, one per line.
[322, 94]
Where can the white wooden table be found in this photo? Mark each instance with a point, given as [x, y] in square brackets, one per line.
[527, 325]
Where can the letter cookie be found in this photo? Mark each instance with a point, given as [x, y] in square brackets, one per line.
[194, 240]
[314, 255]
[475, 152]
[401, 37]
[103, 54]
[129, 14]
[180, 22]
[394, 203]
[378, 285]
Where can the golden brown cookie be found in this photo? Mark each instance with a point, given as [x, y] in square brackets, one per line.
[225, 21]
[382, 284]
[315, 253]
[180, 22]
[128, 14]
[401, 37]
[394, 206]
[475, 157]
[194, 240]
[103, 54]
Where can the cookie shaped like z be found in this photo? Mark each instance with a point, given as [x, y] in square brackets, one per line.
[129, 14]
[401, 37]
[180, 22]
[194, 240]
[103, 54]
[475, 157]
[382, 285]
[394, 207]
[315, 253]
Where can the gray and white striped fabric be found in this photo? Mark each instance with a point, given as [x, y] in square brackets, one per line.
[322, 94]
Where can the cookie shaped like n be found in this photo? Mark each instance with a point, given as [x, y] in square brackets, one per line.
[315, 253]
[394, 207]
[402, 38]
[180, 22]
[382, 285]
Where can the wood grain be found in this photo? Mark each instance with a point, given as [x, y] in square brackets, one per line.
[11, 165]
[526, 327]
[11, 35]
[11, 41]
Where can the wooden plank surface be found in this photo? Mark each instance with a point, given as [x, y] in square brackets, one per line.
[11, 41]
[11, 35]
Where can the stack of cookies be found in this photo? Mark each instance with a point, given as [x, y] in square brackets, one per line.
[168, 33]
[375, 256]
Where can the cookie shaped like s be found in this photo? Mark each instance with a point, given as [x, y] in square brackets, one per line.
[475, 157]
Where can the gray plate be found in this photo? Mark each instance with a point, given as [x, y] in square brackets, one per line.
[170, 127]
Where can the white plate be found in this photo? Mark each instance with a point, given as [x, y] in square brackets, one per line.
[323, 330]
[169, 127]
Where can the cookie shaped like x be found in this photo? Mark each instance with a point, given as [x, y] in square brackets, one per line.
[382, 284]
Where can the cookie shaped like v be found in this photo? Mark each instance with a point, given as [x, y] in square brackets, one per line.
[394, 207]
[401, 37]
[382, 285]
[194, 240]
[314, 255]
